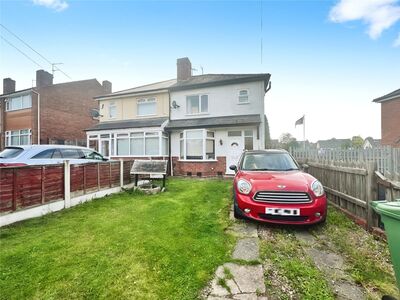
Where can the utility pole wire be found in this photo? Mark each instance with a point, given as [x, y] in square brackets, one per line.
[20, 51]
[26, 44]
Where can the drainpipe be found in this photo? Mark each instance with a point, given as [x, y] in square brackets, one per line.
[169, 136]
[38, 116]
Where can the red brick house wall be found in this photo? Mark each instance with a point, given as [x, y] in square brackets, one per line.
[200, 169]
[65, 110]
[390, 122]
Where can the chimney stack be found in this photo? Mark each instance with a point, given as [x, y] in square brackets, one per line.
[107, 86]
[43, 78]
[184, 69]
[8, 86]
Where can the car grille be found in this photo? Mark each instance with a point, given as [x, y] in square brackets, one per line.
[282, 197]
[283, 218]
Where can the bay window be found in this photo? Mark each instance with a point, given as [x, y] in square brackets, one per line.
[197, 104]
[198, 144]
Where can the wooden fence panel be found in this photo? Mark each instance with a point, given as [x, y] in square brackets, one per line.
[6, 188]
[54, 183]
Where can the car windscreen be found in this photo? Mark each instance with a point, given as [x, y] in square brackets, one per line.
[11, 152]
[268, 162]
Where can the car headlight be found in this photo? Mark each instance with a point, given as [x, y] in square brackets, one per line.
[317, 188]
[244, 187]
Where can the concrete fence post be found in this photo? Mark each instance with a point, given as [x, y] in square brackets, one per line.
[121, 172]
[67, 184]
[370, 192]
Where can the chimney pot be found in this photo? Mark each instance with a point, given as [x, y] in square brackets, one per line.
[43, 78]
[184, 69]
[8, 86]
[107, 86]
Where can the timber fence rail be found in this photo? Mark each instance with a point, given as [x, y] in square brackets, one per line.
[26, 187]
[354, 178]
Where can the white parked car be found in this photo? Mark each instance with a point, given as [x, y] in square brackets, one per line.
[47, 155]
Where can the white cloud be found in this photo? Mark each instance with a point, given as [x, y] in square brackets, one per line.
[57, 5]
[397, 41]
[379, 15]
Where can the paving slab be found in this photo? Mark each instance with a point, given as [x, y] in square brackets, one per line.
[244, 229]
[251, 296]
[305, 237]
[348, 291]
[218, 290]
[250, 279]
[326, 261]
[247, 249]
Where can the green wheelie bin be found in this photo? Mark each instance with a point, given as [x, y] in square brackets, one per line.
[390, 216]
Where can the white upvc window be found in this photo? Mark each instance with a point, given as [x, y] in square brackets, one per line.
[196, 104]
[18, 102]
[132, 143]
[147, 107]
[197, 144]
[18, 137]
[112, 110]
[243, 96]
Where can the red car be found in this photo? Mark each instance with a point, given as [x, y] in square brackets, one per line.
[269, 186]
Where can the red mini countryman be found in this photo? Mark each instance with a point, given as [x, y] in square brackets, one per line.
[270, 187]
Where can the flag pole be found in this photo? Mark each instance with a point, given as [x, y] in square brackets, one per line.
[304, 131]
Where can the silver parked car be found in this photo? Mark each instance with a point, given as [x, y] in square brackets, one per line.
[47, 155]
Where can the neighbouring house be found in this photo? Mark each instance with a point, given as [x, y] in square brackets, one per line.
[333, 144]
[390, 118]
[48, 113]
[200, 123]
[213, 118]
[132, 122]
[371, 143]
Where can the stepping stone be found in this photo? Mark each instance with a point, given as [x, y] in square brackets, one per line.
[305, 237]
[250, 279]
[326, 260]
[247, 249]
[251, 296]
[244, 229]
[348, 291]
[218, 290]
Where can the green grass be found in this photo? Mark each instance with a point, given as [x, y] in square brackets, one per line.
[287, 256]
[368, 258]
[126, 246]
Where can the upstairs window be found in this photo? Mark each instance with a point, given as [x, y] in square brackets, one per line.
[112, 110]
[146, 107]
[243, 96]
[197, 104]
[19, 102]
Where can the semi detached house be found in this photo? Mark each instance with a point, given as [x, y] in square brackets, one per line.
[200, 123]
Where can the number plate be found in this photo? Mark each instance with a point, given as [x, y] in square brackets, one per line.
[282, 211]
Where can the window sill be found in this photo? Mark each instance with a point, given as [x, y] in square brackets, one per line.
[11, 110]
[198, 160]
[199, 114]
[143, 116]
[243, 103]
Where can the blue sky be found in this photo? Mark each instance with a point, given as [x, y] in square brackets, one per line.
[327, 67]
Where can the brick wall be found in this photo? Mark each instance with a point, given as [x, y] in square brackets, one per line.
[390, 122]
[200, 169]
[64, 110]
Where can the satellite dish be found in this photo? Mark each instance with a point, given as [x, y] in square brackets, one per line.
[174, 105]
[94, 113]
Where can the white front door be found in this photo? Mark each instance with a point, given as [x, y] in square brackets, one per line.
[234, 150]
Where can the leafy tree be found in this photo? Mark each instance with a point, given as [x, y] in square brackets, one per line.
[357, 142]
[288, 141]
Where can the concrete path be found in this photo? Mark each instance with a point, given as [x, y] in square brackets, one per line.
[333, 266]
[243, 280]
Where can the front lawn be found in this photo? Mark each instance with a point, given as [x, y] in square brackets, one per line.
[126, 246]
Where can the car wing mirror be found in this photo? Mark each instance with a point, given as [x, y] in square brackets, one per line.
[233, 168]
